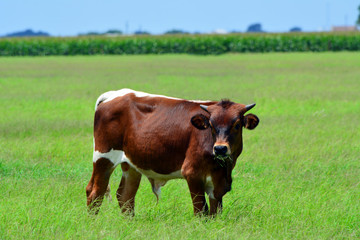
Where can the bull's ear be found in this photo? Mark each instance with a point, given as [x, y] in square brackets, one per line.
[200, 121]
[251, 121]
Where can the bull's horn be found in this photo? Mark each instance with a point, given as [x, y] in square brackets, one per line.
[204, 107]
[250, 106]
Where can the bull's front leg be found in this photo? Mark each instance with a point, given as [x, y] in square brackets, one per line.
[197, 191]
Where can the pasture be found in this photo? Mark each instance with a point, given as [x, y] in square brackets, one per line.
[297, 178]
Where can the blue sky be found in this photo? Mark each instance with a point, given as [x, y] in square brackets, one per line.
[71, 17]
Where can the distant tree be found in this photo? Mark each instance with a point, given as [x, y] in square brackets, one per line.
[256, 27]
[295, 29]
[358, 20]
[176, 31]
[140, 32]
[114, 31]
[90, 34]
[28, 33]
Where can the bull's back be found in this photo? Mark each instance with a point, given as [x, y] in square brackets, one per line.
[154, 132]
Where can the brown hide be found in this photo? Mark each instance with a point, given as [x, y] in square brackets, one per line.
[154, 133]
[158, 134]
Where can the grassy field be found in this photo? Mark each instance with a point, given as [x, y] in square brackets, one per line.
[298, 177]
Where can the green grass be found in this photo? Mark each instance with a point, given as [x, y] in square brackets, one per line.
[298, 177]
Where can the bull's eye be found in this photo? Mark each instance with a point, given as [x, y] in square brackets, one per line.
[214, 130]
[237, 126]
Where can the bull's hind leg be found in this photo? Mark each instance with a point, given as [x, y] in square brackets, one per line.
[98, 184]
[128, 187]
[108, 193]
[104, 164]
[215, 206]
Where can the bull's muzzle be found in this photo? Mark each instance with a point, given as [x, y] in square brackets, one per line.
[222, 150]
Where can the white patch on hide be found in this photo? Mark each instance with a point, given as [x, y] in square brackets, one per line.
[209, 187]
[118, 156]
[108, 96]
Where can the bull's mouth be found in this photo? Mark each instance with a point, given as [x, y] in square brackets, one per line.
[222, 156]
[222, 159]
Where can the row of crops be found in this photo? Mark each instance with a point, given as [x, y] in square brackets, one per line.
[191, 44]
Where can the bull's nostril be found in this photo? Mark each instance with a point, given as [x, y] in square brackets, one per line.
[220, 150]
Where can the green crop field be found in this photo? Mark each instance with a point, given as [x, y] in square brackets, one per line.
[202, 44]
[298, 176]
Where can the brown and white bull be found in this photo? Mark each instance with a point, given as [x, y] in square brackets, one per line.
[165, 138]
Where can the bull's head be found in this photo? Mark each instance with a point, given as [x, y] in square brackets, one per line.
[226, 120]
